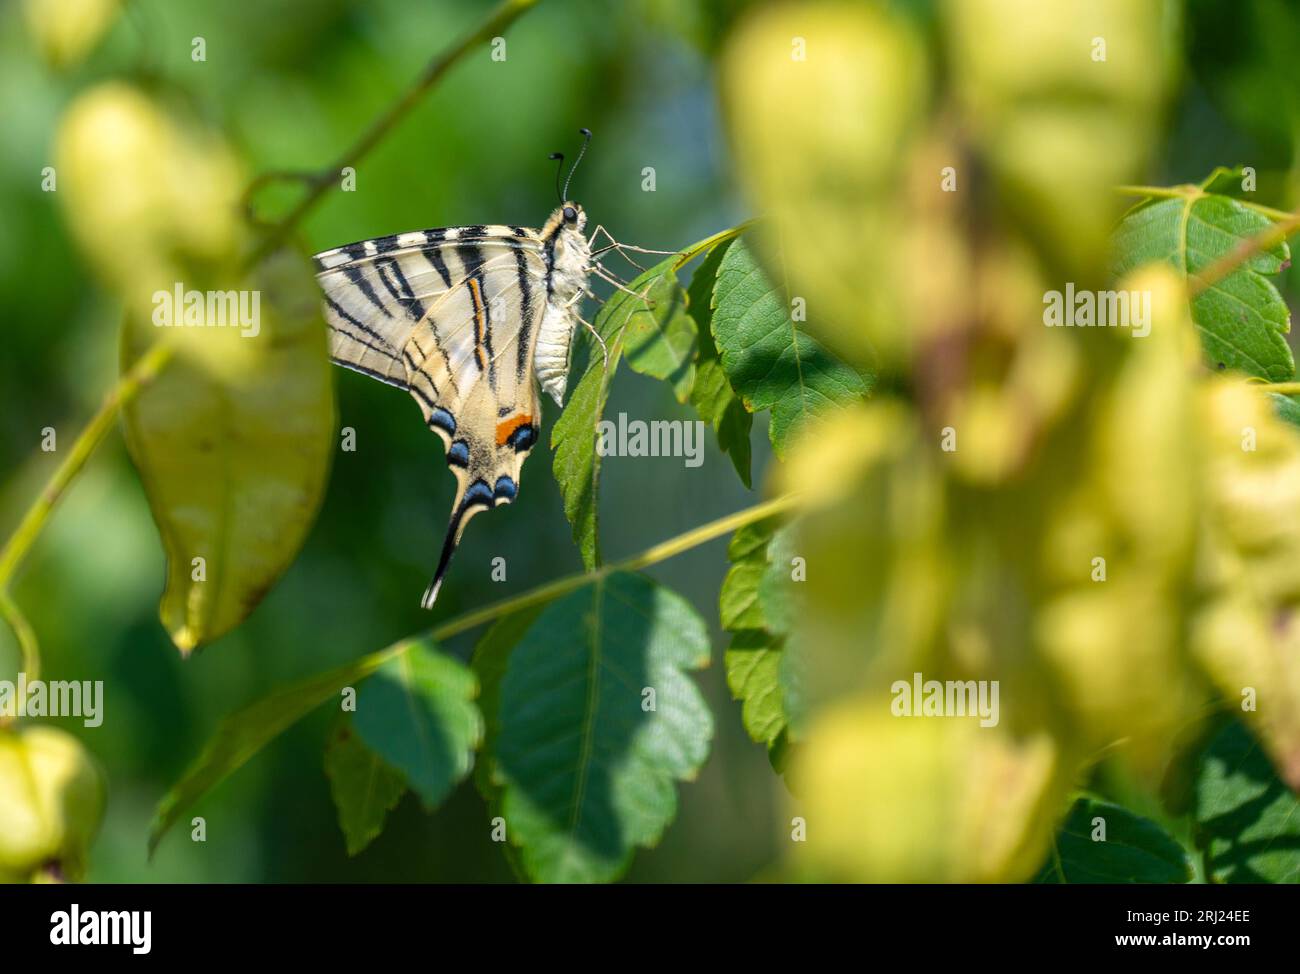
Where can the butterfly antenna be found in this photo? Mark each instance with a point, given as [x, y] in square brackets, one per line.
[559, 170]
[581, 152]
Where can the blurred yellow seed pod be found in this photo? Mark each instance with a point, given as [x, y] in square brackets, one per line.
[52, 796]
[152, 202]
[1247, 634]
[822, 101]
[1253, 473]
[1116, 653]
[1062, 99]
[887, 798]
[66, 31]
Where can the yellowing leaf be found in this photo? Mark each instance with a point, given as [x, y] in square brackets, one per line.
[233, 443]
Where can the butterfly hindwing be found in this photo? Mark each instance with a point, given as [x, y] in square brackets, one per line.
[488, 444]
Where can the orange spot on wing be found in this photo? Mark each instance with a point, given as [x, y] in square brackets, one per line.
[506, 428]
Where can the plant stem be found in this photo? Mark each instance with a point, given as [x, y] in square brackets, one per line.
[318, 184]
[1159, 192]
[127, 388]
[27, 644]
[571, 583]
[1281, 388]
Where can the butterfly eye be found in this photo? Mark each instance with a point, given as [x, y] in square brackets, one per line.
[570, 214]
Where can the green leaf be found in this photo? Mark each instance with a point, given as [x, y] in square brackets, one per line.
[417, 713]
[794, 691]
[662, 344]
[777, 588]
[364, 787]
[1241, 319]
[738, 603]
[233, 444]
[645, 321]
[241, 735]
[577, 461]
[768, 360]
[490, 660]
[1134, 850]
[753, 662]
[712, 395]
[1247, 823]
[1288, 407]
[586, 766]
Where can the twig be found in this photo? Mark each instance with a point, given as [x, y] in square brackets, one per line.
[1280, 388]
[1160, 192]
[319, 183]
[27, 644]
[563, 586]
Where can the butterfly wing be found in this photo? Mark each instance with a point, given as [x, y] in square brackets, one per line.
[452, 317]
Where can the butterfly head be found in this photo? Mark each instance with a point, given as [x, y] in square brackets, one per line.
[567, 216]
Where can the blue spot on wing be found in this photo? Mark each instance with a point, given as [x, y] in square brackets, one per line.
[477, 493]
[506, 489]
[443, 420]
[458, 455]
[523, 438]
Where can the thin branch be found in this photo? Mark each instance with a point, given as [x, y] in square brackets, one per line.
[1280, 388]
[563, 586]
[1188, 191]
[27, 644]
[1160, 192]
[319, 183]
[127, 388]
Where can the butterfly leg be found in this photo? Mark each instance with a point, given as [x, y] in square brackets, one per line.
[587, 324]
[612, 245]
[604, 349]
[623, 248]
[606, 275]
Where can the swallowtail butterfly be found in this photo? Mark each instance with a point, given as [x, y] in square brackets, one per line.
[471, 321]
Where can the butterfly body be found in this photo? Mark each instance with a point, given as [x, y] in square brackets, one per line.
[570, 267]
[473, 322]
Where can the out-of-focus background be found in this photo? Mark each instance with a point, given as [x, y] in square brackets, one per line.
[292, 83]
